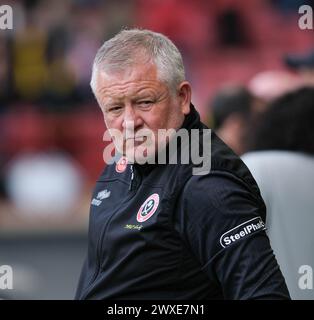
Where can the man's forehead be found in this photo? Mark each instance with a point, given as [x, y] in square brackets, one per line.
[129, 81]
[138, 72]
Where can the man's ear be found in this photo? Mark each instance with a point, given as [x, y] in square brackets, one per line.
[184, 94]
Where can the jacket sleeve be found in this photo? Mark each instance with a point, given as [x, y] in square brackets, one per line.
[222, 222]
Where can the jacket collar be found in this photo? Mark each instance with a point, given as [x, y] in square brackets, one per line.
[191, 120]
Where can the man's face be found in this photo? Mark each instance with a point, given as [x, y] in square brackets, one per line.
[137, 104]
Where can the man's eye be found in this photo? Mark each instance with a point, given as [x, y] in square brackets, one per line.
[145, 103]
[115, 109]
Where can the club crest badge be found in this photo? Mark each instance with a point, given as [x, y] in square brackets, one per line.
[148, 208]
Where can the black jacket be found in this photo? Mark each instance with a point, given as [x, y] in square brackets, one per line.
[159, 232]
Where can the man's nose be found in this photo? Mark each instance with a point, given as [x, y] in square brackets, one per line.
[132, 119]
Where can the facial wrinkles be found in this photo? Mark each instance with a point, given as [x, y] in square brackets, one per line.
[132, 91]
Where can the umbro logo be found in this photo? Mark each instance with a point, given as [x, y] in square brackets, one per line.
[100, 197]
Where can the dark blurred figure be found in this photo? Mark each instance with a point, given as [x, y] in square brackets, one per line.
[231, 109]
[232, 29]
[288, 124]
[59, 91]
[303, 65]
[283, 166]
[5, 87]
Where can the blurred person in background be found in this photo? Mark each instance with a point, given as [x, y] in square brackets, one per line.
[303, 64]
[266, 86]
[283, 166]
[29, 69]
[231, 110]
[159, 230]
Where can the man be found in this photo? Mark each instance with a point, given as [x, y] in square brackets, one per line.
[162, 230]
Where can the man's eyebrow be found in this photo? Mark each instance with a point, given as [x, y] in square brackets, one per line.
[144, 93]
[111, 101]
[144, 96]
[108, 105]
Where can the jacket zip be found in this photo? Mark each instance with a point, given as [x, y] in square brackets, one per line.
[132, 177]
[98, 253]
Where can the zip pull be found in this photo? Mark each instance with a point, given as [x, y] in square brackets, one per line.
[132, 177]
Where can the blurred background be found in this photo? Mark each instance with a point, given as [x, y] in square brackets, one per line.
[239, 55]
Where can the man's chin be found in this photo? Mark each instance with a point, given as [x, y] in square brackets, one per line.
[140, 155]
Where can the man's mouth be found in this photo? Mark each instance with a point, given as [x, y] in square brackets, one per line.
[136, 141]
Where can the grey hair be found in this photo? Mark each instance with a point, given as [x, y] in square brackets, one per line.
[129, 47]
